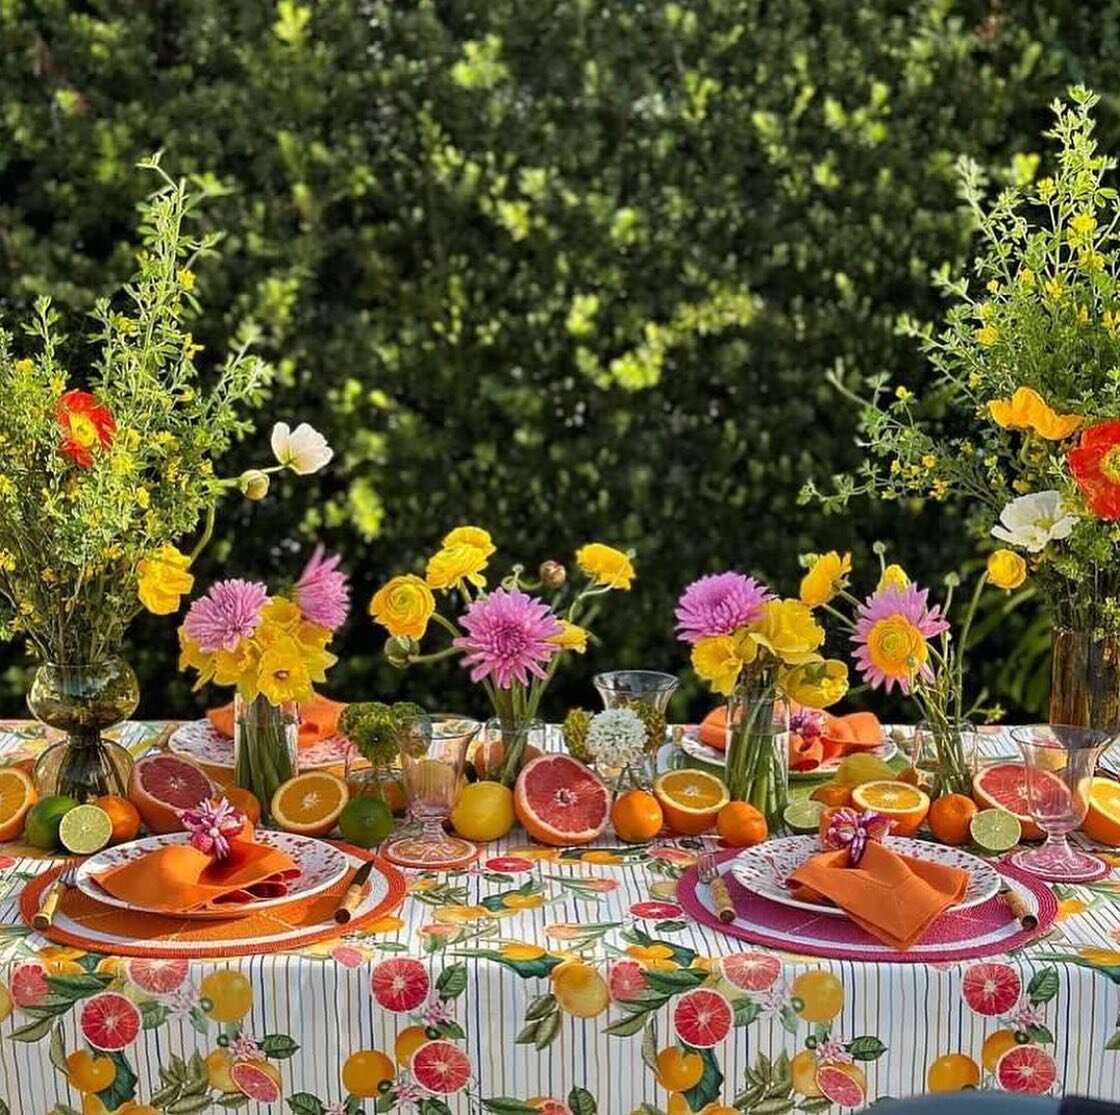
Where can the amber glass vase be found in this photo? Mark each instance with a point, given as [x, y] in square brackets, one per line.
[1085, 679]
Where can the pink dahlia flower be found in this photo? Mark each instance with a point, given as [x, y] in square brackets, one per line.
[211, 825]
[893, 627]
[323, 591]
[507, 638]
[228, 613]
[719, 604]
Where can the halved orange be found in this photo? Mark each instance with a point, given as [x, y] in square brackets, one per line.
[17, 796]
[690, 799]
[1102, 823]
[905, 805]
[309, 803]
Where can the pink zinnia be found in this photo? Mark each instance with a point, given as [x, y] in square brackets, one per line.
[892, 627]
[718, 605]
[323, 591]
[228, 613]
[507, 637]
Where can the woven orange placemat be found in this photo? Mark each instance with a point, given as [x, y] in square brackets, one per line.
[302, 923]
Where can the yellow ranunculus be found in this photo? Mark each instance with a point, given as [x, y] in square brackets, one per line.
[815, 684]
[897, 648]
[283, 673]
[455, 564]
[1006, 569]
[719, 661]
[826, 577]
[470, 536]
[163, 580]
[787, 629]
[572, 637]
[894, 576]
[605, 565]
[403, 606]
[1027, 410]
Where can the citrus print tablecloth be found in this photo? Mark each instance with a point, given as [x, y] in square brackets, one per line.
[472, 970]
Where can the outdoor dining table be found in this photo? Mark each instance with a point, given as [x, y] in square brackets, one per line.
[475, 959]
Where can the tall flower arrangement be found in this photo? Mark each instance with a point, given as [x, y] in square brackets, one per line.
[511, 639]
[760, 652]
[1023, 421]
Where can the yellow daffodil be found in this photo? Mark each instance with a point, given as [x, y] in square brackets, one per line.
[894, 576]
[826, 577]
[605, 565]
[1027, 410]
[815, 684]
[163, 580]
[787, 629]
[572, 637]
[1006, 569]
[720, 659]
[403, 606]
[192, 657]
[455, 564]
[283, 673]
[470, 536]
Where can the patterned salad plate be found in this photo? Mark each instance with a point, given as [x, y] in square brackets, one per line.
[320, 867]
[765, 868]
[198, 740]
[710, 756]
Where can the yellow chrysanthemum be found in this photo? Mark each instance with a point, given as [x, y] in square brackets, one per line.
[404, 606]
[1006, 569]
[455, 564]
[605, 565]
[826, 577]
[470, 536]
[572, 637]
[1027, 410]
[787, 629]
[815, 684]
[893, 576]
[163, 580]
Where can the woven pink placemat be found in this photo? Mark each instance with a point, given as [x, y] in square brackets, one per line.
[973, 934]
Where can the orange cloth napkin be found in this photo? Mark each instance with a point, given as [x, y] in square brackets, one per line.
[318, 720]
[179, 878]
[893, 897]
[840, 735]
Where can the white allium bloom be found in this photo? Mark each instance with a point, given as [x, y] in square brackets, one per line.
[1030, 522]
[303, 450]
[616, 737]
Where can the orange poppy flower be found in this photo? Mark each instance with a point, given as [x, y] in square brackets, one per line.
[1095, 464]
[86, 425]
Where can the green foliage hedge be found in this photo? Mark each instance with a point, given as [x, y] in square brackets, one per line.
[569, 271]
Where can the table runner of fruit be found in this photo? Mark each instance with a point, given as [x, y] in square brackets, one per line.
[552, 981]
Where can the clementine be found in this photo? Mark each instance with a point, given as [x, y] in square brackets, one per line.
[124, 815]
[637, 816]
[833, 794]
[244, 801]
[949, 818]
[741, 825]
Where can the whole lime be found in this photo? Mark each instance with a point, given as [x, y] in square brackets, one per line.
[365, 822]
[41, 827]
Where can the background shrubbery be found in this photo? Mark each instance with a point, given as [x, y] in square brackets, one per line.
[569, 270]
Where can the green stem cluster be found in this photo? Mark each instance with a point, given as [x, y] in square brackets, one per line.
[757, 752]
[266, 748]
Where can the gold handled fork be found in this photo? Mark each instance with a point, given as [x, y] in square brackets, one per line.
[721, 897]
[44, 916]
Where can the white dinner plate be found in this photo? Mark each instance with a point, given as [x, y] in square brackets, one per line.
[198, 740]
[765, 868]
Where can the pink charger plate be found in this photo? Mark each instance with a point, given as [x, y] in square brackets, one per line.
[981, 931]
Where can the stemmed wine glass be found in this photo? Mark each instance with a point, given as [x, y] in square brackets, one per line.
[1060, 761]
[433, 753]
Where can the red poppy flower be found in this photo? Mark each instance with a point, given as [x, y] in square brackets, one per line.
[86, 425]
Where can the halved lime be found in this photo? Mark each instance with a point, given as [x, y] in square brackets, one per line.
[803, 816]
[85, 830]
[995, 830]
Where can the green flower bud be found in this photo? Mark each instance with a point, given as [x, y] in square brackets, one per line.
[253, 484]
[399, 651]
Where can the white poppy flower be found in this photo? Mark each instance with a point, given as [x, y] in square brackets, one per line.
[303, 450]
[1030, 522]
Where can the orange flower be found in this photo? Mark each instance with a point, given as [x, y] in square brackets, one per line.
[1028, 410]
[86, 425]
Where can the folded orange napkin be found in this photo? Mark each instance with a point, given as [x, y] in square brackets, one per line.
[839, 735]
[893, 897]
[318, 720]
[179, 878]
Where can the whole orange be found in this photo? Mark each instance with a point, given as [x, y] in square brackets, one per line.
[244, 801]
[949, 817]
[124, 815]
[637, 816]
[741, 825]
[832, 793]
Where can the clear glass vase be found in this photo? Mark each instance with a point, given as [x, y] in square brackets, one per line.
[265, 747]
[505, 746]
[83, 700]
[1085, 679]
[944, 755]
[758, 750]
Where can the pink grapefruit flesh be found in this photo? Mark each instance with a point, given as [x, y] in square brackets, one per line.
[991, 989]
[1027, 1068]
[626, 981]
[702, 1018]
[1006, 786]
[158, 976]
[400, 984]
[838, 1086]
[751, 971]
[440, 1067]
[253, 1080]
[162, 786]
[559, 801]
[29, 985]
[109, 1021]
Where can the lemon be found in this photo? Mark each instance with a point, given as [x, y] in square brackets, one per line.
[855, 770]
[484, 811]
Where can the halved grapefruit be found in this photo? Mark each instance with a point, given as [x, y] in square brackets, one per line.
[28, 985]
[109, 1021]
[1005, 786]
[162, 786]
[1028, 1069]
[845, 1085]
[258, 1080]
[559, 801]
[702, 1018]
[626, 981]
[751, 971]
[991, 988]
[441, 1068]
[1102, 823]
